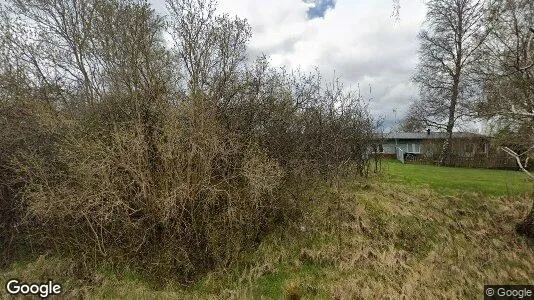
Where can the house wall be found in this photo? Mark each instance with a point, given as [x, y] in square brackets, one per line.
[460, 147]
[408, 146]
[476, 152]
[432, 148]
[388, 147]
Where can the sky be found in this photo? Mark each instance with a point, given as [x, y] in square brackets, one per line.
[356, 40]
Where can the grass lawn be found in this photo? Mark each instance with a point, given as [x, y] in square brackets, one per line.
[457, 180]
[382, 238]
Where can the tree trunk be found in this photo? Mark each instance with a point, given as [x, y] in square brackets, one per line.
[526, 227]
[445, 159]
[446, 152]
[456, 75]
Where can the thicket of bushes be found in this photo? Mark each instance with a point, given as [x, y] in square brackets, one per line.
[116, 146]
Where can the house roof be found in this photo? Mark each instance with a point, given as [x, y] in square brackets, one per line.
[431, 135]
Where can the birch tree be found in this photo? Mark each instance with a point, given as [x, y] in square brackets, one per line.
[449, 53]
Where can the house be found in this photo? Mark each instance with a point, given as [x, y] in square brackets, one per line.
[429, 144]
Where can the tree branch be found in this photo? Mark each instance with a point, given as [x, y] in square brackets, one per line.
[518, 160]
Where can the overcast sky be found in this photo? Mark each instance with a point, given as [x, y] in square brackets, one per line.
[358, 39]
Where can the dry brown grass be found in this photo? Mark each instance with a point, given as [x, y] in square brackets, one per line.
[387, 241]
[398, 242]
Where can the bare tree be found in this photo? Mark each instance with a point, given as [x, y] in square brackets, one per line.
[510, 71]
[210, 47]
[449, 53]
[57, 35]
[509, 84]
[415, 120]
[131, 166]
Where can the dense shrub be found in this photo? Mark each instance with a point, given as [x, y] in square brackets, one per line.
[28, 130]
[169, 165]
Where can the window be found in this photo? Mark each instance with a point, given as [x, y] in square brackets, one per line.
[482, 147]
[469, 148]
[413, 148]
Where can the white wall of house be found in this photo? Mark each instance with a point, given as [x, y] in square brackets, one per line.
[389, 148]
[406, 146]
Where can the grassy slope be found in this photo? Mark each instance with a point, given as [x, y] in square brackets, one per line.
[389, 238]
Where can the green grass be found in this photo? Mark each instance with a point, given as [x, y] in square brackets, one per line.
[419, 232]
[458, 180]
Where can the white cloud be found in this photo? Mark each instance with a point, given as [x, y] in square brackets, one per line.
[357, 38]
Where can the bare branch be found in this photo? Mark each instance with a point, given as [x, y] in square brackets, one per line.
[518, 160]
